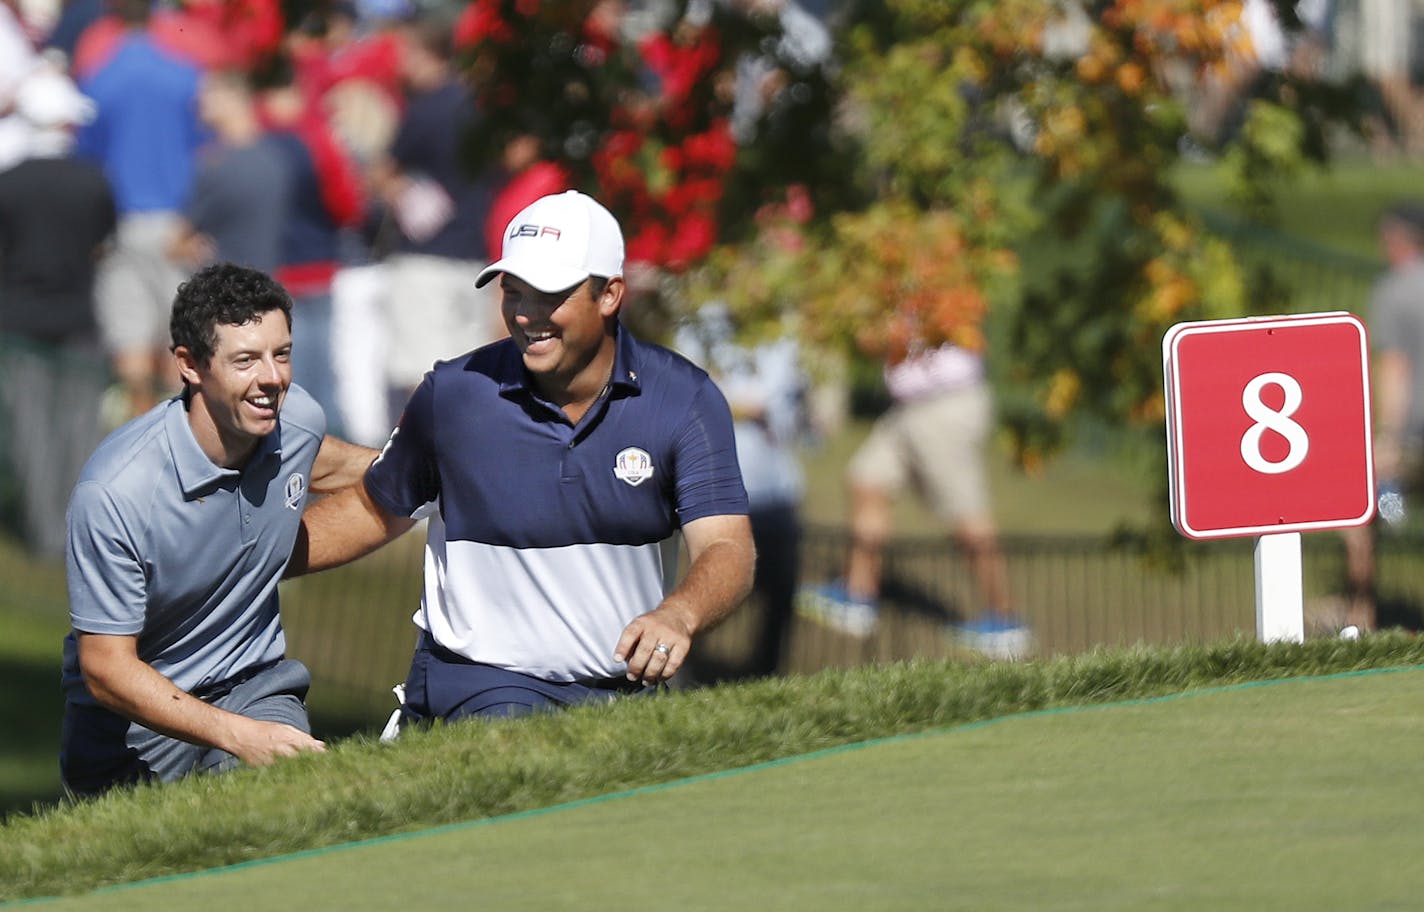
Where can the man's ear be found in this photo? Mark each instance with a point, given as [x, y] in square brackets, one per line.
[187, 365]
[611, 301]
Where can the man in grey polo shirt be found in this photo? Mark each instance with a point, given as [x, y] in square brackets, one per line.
[179, 530]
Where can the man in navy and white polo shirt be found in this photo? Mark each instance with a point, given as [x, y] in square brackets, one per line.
[179, 530]
[558, 467]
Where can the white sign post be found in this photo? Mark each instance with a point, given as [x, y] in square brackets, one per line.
[1280, 597]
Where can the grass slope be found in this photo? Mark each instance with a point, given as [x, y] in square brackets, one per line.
[1237, 799]
[472, 771]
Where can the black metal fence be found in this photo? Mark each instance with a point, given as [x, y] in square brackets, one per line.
[353, 627]
[1292, 275]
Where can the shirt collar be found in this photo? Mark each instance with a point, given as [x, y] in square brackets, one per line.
[627, 363]
[196, 472]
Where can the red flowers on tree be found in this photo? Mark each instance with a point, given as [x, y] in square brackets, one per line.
[642, 123]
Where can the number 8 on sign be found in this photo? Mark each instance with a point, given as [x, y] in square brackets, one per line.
[1269, 419]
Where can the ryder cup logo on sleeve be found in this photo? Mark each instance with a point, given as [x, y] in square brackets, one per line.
[296, 490]
[558, 241]
[633, 465]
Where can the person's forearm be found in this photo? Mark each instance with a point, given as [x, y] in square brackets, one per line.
[1392, 383]
[1392, 379]
[655, 644]
[134, 690]
[386, 181]
[340, 464]
[716, 583]
[125, 684]
[340, 528]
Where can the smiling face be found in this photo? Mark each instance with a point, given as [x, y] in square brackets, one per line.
[237, 395]
[566, 336]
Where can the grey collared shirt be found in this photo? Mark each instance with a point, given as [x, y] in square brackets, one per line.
[166, 546]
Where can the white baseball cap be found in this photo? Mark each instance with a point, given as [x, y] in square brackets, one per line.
[559, 240]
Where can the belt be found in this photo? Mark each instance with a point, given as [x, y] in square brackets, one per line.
[617, 684]
[218, 689]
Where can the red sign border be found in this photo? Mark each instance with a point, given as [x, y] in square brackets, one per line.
[1178, 493]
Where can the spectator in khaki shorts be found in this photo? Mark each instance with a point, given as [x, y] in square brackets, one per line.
[933, 438]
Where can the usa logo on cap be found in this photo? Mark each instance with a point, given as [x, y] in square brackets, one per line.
[558, 241]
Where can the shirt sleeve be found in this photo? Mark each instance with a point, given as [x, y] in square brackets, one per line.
[406, 476]
[708, 479]
[108, 591]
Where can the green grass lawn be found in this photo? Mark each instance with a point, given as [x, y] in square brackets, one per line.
[1137, 780]
[1335, 208]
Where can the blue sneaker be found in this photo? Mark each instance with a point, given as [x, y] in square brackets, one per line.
[996, 636]
[831, 605]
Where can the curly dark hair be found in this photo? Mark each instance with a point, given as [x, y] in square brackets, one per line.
[222, 294]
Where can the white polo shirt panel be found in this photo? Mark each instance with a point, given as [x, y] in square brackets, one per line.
[514, 623]
[551, 537]
[166, 546]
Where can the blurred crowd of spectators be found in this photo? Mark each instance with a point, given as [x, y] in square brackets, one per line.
[142, 140]
[224, 134]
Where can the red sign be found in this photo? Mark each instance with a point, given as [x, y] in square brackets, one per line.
[1268, 425]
